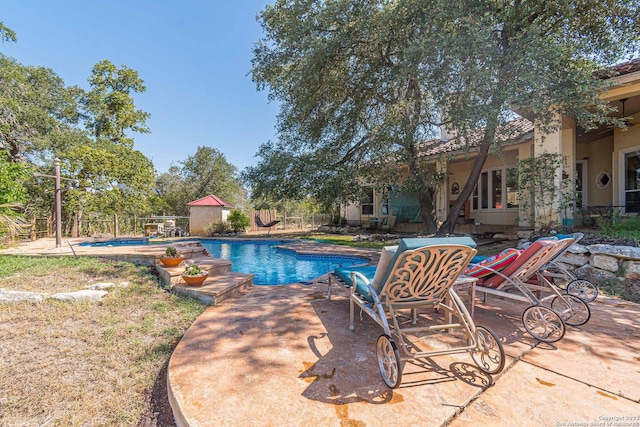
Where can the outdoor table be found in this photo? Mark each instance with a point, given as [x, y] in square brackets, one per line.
[468, 283]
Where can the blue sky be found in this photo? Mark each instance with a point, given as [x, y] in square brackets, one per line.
[194, 56]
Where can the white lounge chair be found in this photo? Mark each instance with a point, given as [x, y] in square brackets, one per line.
[419, 274]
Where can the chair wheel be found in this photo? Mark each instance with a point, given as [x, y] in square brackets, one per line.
[572, 310]
[389, 361]
[543, 323]
[489, 353]
[583, 289]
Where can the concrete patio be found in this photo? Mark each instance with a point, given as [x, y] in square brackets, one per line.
[283, 356]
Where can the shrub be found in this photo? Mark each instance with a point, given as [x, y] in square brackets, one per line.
[621, 228]
[217, 228]
[193, 270]
[171, 252]
[238, 221]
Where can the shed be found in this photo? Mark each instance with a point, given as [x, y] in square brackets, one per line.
[205, 211]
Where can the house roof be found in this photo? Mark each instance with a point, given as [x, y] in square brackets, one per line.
[509, 133]
[621, 69]
[627, 67]
[210, 200]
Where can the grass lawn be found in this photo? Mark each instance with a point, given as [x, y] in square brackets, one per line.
[87, 363]
[346, 240]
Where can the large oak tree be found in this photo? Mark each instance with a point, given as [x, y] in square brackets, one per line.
[362, 84]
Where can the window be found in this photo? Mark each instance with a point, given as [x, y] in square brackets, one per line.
[496, 189]
[492, 188]
[632, 181]
[367, 201]
[512, 188]
[581, 183]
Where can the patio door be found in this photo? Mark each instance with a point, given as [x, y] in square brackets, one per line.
[630, 171]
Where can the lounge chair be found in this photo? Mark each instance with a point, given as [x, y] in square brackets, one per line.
[565, 279]
[525, 274]
[268, 225]
[419, 274]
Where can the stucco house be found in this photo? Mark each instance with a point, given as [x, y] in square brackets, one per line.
[602, 167]
[206, 210]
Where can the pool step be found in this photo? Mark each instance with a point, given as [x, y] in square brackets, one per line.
[216, 289]
[215, 267]
[221, 284]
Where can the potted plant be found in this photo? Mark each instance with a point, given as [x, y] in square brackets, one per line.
[171, 258]
[194, 275]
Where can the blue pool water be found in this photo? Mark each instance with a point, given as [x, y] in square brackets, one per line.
[273, 266]
[118, 242]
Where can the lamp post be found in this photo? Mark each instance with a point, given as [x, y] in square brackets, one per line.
[58, 199]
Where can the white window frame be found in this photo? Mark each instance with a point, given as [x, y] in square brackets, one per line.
[372, 204]
[585, 180]
[490, 194]
[622, 168]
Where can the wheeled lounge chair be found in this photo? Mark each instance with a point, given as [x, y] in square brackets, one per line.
[560, 276]
[419, 274]
[550, 310]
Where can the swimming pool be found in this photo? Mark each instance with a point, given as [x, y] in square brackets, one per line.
[273, 266]
[132, 241]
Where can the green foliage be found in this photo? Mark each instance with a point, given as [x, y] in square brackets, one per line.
[7, 34]
[238, 220]
[628, 289]
[214, 228]
[171, 252]
[541, 185]
[38, 118]
[621, 228]
[34, 106]
[192, 270]
[110, 106]
[363, 84]
[201, 174]
[12, 180]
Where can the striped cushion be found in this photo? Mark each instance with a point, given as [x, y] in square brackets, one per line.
[497, 263]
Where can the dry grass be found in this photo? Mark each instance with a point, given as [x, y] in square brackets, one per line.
[85, 364]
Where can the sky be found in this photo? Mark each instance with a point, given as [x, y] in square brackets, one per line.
[194, 56]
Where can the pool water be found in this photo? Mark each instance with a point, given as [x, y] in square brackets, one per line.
[118, 242]
[273, 266]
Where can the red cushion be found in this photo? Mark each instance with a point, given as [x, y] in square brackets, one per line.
[495, 263]
[528, 256]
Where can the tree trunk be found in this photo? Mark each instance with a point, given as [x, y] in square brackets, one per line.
[427, 211]
[427, 208]
[489, 135]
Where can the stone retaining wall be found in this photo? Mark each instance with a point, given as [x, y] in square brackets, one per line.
[600, 263]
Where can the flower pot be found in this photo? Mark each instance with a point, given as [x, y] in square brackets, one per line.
[195, 280]
[170, 262]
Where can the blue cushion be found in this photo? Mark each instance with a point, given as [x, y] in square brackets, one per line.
[478, 259]
[564, 236]
[344, 273]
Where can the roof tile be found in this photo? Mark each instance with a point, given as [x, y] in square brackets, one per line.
[210, 200]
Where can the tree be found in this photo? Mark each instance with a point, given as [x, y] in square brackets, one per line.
[39, 115]
[7, 34]
[34, 103]
[109, 105]
[203, 173]
[363, 85]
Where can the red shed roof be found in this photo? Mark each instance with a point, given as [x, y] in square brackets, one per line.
[210, 200]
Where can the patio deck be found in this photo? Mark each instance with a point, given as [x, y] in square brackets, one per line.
[283, 355]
